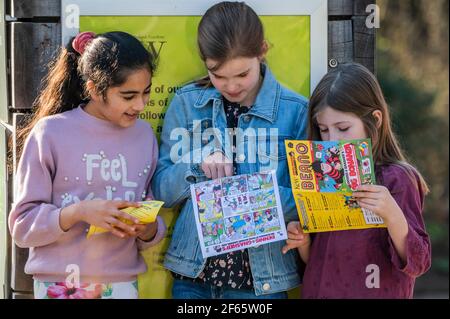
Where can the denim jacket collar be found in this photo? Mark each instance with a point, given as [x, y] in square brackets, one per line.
[266, 104]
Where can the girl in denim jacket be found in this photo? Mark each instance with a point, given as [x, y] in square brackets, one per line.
[239, 94]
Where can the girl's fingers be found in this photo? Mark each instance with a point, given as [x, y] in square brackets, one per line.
[220, 170]
[107, 225]
[110, 221]
[206, 170]
[366, 195]
[293, 227]
[214, 171]
[369, 188]
[203, 167]
[296, 236]
[121, 225]
[125, 228]
[125, 204]
[228, 170]
[139, 227]
[117, 227]
[294, 243]
[364, 188]
[290, 244]
[286, 248]
[368, 201]
[368, 206]
[110, 225]
[118, 233]
[215, 167]
[226, 159]
[131, 219]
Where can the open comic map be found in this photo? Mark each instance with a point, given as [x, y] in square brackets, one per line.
[237, 212]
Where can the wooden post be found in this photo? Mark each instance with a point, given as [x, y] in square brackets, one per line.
[32, 46]
[4, 134]
[35, 34]
[349, 39]
[363, 37]
[36, 8]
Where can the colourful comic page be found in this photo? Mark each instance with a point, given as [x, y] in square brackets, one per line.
[237, 212]
[323, 176]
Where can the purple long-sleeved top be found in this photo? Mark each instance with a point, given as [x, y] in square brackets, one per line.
[344, 264]
[71, 157]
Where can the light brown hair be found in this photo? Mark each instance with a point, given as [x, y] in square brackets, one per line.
[352, 88]
[229, 30]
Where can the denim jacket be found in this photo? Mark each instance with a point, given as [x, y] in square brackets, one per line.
[192, 112]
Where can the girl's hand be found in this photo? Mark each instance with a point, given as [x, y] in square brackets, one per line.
[146, 232]
[104, 214]
[296, 237]
[379, 200]
[217, 165]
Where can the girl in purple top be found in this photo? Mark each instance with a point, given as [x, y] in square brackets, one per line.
[86, 155]
[372, 263]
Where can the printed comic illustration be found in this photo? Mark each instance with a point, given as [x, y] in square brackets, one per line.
[323, 176]
[238, 212]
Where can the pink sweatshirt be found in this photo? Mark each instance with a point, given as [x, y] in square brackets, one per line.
[72, 157]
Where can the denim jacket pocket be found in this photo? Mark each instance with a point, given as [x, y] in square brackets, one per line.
[184, 254]
[270, 154]
[184, 229]
[274, 159]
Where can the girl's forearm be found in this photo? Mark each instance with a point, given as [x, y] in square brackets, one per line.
[398, 231]
[304, 253]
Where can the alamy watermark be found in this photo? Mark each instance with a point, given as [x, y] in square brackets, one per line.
[373, 19]
[251, 145]
[373, 279]
[73, 278]
[72, 20]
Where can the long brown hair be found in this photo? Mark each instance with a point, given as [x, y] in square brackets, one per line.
[229, 30]
[352, 88]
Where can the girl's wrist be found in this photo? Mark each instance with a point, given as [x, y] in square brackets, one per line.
[150, 233]
[69, 216]
[305, 245]
[395, 219]
[303, 251]
[77, 213]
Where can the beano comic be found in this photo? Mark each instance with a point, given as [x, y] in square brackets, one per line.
[324, 175]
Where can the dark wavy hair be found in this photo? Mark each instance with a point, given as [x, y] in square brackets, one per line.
[107, 61]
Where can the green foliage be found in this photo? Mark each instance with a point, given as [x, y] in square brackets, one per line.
[424, 136]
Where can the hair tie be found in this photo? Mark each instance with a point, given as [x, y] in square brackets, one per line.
[81, 40]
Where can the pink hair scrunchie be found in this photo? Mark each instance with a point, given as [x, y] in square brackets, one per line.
[81, 40]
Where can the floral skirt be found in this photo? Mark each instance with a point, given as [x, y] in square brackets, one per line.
[59, 290]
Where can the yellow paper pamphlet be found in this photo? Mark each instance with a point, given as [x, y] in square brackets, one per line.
[146, 214]
[324, 175]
